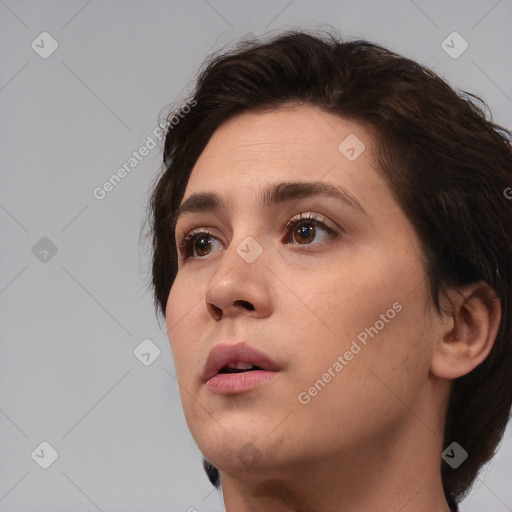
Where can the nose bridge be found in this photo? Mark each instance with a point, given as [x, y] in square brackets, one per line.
[241, 259]
[247, 239]
[238, 280]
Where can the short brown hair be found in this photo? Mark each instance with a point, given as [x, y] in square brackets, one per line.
[447, 164]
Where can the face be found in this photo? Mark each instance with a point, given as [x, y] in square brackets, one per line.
[336, 298]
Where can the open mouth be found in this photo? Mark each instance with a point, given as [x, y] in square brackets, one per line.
[239, 367]
[239, 377]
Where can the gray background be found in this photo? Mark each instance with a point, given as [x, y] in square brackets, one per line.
[71, 321]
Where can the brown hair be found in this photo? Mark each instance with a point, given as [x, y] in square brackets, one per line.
[447, 164]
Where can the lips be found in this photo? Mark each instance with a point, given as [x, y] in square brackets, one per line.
[229, 358]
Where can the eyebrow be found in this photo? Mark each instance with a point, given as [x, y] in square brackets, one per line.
[275, 194]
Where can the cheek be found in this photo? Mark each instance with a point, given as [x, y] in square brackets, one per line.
[182, 328]
[374, 387]
[377, 327]
[183, 332]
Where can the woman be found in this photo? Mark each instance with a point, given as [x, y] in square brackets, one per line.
[332, 256]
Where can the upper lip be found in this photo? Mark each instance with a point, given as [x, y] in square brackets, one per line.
[225, 353]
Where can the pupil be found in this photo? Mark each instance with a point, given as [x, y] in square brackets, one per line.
[202, 244]
[306, 231]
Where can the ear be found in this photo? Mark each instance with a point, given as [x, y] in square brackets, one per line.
[468, 335]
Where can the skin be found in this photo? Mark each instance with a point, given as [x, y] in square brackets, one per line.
[371, 439]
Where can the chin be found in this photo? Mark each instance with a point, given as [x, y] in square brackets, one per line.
[241, 449]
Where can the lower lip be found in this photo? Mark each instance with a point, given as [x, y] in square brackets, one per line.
[228, 383]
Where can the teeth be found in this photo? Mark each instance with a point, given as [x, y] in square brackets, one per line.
[240, 365]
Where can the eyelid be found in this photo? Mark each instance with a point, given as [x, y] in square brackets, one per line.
[182, 239]
[314, 217]
[332, 229]
[304, 215]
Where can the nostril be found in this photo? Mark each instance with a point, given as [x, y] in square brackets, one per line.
[214, 311]
[246, 304]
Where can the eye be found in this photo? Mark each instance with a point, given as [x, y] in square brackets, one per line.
[303, 228]
[198, 240]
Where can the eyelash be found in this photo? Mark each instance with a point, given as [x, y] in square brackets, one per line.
[186, 242]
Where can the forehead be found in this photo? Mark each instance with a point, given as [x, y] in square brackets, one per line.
[288, 143]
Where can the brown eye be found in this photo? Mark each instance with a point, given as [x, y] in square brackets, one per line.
[202, 245]
[196, 244]
[306, 229]
[305, 232]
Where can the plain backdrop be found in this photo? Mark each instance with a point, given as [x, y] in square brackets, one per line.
[85, 367]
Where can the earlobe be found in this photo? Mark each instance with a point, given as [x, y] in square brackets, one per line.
[468, 334]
